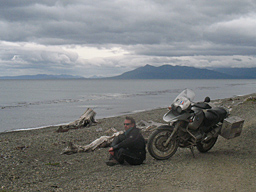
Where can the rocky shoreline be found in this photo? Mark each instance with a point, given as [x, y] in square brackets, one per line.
[32, 160]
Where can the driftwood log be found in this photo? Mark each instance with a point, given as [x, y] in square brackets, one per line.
[148, 126]
[105, 141]
[86, 120]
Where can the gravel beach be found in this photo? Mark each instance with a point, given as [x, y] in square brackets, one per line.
[32, 160]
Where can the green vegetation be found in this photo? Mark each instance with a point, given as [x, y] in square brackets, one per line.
[251, 99]
[53, 164]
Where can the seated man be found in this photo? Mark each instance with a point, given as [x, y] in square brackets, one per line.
[129, 146]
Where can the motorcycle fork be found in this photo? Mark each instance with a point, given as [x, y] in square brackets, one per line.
[174, 131]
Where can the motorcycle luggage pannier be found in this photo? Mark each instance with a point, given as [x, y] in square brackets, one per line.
[232, 127]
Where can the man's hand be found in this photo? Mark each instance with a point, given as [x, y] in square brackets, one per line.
[111, 151]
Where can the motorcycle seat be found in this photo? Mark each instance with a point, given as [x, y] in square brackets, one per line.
[214, 115]
[222, 113]
[202, 105]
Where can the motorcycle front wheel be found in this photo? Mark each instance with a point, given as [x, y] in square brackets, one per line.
[156, 144]
[205, 146]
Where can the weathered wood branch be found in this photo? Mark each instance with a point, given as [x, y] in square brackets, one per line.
[86, 120]
[148, 126]
[105, 141]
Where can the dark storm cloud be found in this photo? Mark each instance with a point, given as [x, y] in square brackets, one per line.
[118, 22]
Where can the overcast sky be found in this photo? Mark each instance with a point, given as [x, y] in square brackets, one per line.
[109, 37]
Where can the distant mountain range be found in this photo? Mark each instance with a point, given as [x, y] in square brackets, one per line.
[246, 73]
[182, 72]
[162, 72]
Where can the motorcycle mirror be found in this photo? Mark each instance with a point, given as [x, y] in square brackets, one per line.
[179, 110]
[207, 99]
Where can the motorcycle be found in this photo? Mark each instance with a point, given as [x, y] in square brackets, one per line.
[192, 125]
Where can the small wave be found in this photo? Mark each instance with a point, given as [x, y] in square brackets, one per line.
[138, 111]
[35, 128]
[49, 102]
[236, 84]
[207, 88]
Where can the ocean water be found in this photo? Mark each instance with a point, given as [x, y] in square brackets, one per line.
[26, 104]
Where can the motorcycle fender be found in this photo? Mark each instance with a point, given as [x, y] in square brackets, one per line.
[164, 127]
[170, 117]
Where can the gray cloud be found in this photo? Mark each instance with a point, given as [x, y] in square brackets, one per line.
[35, 34]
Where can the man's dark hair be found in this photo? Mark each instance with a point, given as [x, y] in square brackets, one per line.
[131, 119]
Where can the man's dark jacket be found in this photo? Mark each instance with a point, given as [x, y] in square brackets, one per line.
[133, 141]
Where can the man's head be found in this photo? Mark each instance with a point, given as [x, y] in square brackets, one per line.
[129, 122]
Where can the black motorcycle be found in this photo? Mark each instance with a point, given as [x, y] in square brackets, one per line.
[192, 125]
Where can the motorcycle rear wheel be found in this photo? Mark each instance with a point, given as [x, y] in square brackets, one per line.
[206, 146]
[156, 146]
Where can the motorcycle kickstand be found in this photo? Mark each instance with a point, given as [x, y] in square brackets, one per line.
[192, 151]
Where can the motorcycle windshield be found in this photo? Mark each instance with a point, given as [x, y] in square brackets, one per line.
[187, 93]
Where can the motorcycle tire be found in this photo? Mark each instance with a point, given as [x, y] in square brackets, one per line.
[156, 146]
[204, 147]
